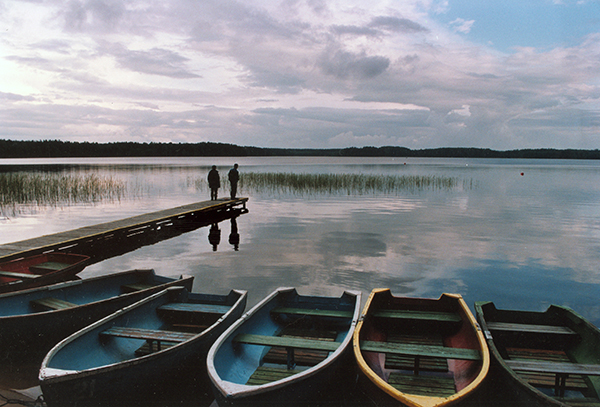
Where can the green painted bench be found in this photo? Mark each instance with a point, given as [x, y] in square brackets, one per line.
[530, 328]
[418, 351]
[418, 315]
[290, 343]
[18, 276]
[562, 370]
[313, 312]
[191, 307]
[52, 303]
[150, 335]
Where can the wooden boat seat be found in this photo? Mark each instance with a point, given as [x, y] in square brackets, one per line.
[48, 267]
[312, 312]
[419, 351]
[304, 357]
[560, 370]
[290, 343]
[418, 315]
[185, 307]
[530, 328]
[286, 342]
[150, 335]
[404, 362]
[52, 304]
[130, 288]
[18, 276]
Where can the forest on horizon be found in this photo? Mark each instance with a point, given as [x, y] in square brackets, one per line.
[64, 149]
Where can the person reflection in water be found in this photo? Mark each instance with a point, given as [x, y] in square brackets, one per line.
[214, 236]
[214, 182]
[234, 236]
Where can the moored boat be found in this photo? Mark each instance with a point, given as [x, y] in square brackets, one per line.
[549, 358]
[32, 321]
[419, 352]
[144, 354]
[43, 269]
[289, 349]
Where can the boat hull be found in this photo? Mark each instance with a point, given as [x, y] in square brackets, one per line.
[28, 330]
[232, 366]
[114, 374]
[582, 346]
[44, 269]
[406, 347]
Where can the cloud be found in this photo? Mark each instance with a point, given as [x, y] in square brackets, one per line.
[343, 64]
[462, 26]
[307, 73]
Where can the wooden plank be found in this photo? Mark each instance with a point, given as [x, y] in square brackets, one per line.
[529, 328]
[263, 375]
[304, 357]
[552, 367]
[53, 303]
[419, 315]
[288, 342]
[147, 334]
[420, 350]
[432, 386]
[403, 362]
[191, 307]
[129, 288]
[75, 236]
[548, 380]
[19, 276]
[48, 267]
[313, 312]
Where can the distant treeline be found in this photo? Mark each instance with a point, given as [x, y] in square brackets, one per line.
[57, 148]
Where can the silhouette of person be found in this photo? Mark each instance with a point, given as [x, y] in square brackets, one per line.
[234, 236]
[234, 177]
[214, 236]
[214, 182]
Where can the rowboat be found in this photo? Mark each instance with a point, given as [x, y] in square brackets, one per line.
[549, 358]
[288, 349]
[419, 352]
[33, 321]
[39, 270]
[145, 353]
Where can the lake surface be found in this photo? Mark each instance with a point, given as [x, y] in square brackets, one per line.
[521, 233]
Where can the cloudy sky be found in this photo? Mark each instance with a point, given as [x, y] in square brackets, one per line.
[500, 74]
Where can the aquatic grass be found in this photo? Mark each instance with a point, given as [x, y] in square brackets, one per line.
[53, 189]
[287, 183]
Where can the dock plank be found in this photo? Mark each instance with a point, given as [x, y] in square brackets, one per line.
[88, 233]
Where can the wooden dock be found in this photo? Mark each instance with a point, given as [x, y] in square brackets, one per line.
[109, 239]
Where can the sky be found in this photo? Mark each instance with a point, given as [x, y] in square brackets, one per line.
[504, 74]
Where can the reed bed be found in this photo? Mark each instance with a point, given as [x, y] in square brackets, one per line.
[53, 189]
[348, 184]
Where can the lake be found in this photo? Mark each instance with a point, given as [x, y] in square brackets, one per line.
[521, 233]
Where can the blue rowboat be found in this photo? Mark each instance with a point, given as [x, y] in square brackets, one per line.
[288, 349]
[33, 321]
[146, 353]
[419, 352]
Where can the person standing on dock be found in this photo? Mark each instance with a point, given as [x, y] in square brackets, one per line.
[234, 177]
[214, 182]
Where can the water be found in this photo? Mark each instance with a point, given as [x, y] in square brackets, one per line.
[521, 233]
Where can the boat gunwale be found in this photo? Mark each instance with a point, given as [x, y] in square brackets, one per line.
[232, 390]
[413, 400]
[67, 375]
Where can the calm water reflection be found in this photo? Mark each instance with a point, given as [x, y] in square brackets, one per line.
[527, 234]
